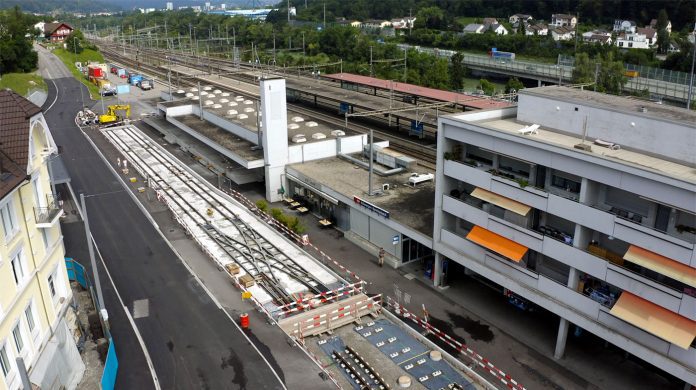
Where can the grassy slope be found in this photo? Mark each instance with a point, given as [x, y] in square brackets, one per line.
[21, 82]
[70, 58]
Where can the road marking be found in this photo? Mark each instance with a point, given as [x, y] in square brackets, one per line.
[55, 99]
[141, 308]
[178, 256]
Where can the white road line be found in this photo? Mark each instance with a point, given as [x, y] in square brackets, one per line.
[55, 99]
[178, 256]
[151, 366]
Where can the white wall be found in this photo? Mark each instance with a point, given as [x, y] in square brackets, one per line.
[656, 136]
[275, 134]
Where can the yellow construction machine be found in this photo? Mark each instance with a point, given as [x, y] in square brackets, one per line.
[115, 113]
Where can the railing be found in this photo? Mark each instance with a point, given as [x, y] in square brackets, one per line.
[46, 214]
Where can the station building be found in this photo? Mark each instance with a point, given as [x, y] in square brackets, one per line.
[36, 318]
[324, 168]
[584, 204]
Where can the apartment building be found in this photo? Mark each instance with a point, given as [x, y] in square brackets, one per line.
[35, 294]
[584, 204]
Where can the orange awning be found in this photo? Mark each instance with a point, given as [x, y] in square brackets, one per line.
[655, 319]
[501, 201]
[497, 243]
[661, 264]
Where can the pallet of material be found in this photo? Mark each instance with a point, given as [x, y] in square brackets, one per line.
[232, 268]
[246, 280]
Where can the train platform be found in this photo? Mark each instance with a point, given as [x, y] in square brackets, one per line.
[416, 91]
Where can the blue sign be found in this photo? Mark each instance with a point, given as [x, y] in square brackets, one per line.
[377, 210]
[416, 128]
[343, 108]
[123, 89]
[396, 239]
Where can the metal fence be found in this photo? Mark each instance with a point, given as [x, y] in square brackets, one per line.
[666, 75]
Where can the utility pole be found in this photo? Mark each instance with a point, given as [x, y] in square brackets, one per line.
[691, 78]
[596, 75]
[371, 62]
[288, 11]
[90, 247]
[169, 77]
[324, 27]
[372, 143]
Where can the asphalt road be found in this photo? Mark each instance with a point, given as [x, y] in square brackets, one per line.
[191, 341]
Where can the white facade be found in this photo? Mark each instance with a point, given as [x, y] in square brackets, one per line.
[560, 226]
[632, 41]
[35, 294]
[562, 20]
[170, 6]
[627, 26]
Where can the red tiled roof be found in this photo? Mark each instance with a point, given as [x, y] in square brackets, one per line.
[410, 89]
[15, 112]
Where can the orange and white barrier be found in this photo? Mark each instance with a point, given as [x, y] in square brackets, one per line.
[449, 340]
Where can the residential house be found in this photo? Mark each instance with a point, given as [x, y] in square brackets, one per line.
[517, 18]
[489, 21]
[35, 294]
[537, 29]
[474, 28]
[57, 31]
[403, 23]
[374, 24]
[562, 33]
[356, 24]
[40, 27]
[627, 26]
[564, 20]
[498, 29]
[632, 41]
[597, 36]
[653, 25]
[650, 34]
[673, 47]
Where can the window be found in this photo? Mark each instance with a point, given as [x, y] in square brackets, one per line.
[566, 184]
[18, 270]
[9, 221]
[17, 335]
[29, 314]
[51, 285]
[4, 361]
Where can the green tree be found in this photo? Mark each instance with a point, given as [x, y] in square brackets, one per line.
[513, 83]
[584, 70]
[612, 75]
[457, 71]
[430, 17]
[487, 87]
[75, 42]
[16, 51]
[662, 33]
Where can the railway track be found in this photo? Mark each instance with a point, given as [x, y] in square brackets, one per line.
[273, 270]
[425, 154]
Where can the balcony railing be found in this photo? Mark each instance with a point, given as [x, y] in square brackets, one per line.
[47, 215]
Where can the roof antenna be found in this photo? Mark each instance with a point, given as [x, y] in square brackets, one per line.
[582, 145]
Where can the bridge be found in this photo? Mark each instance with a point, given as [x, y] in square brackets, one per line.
[554, 74]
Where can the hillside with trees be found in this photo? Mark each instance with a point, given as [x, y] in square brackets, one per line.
[16, 35]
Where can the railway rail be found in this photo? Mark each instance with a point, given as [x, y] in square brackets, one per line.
[257, 256]
[423, 152]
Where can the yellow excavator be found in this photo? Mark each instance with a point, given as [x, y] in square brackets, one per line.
[115, 113]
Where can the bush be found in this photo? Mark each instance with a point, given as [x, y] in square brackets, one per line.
[262, 205]
[276, 213]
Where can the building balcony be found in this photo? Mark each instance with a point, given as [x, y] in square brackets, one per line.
[48, 215]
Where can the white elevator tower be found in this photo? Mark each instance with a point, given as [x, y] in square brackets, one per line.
[274, 135]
